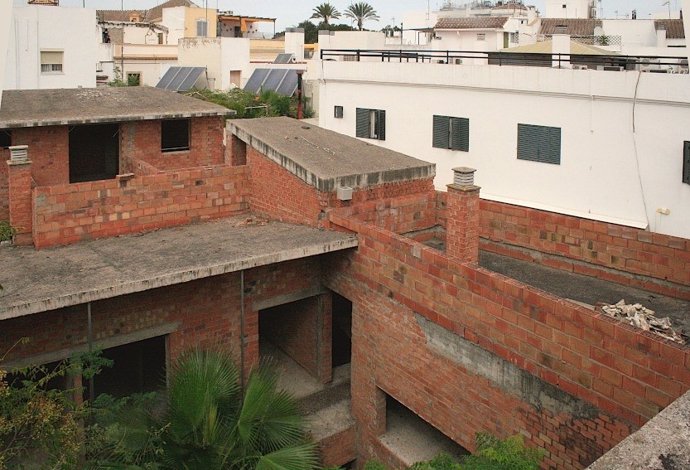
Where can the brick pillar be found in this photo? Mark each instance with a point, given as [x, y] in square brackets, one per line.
[20, 197]
[462, 227]
[236, 151]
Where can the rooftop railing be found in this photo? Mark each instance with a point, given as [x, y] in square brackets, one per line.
[662, 64]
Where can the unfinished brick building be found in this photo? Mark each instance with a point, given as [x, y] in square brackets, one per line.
[381, 299]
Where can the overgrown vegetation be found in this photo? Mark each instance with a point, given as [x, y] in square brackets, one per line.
[6, 231]
[248, 105]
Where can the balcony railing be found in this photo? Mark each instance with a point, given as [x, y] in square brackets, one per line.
[602, 62]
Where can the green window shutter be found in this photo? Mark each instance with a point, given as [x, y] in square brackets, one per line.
[363, 123]
[686, 162]
[441, 132]
[539, 143]
[381, 124]
[460, 134]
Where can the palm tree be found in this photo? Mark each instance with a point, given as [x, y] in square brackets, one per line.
[209, 425]
[361, 11]
[326, 11]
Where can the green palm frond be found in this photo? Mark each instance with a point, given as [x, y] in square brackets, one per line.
[302, 457]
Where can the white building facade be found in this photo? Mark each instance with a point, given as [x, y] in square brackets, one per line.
[5, 20]
[607, 146]
[52, 47]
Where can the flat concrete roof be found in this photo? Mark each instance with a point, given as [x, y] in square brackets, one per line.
[36, 281]
[327, 159]
[34, 108]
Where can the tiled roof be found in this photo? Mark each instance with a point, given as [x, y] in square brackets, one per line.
[674, 28]
[573, 27]
[152, 14]
[488, 22]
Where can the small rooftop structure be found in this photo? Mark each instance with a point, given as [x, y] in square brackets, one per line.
[327, 159]
[674, 28]
[36, 108]
[37, 281]
[573, 27]
[472, 23]
[150, 15]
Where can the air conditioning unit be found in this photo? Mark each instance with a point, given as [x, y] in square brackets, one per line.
[458, 61]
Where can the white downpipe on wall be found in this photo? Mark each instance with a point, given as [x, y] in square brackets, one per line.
[5, 20]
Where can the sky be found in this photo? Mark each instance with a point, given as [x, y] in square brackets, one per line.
[291, 12]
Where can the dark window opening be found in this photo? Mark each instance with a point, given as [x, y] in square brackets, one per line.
[5, 139]
[402, 424]
[371, 123]
[539, 144]
[686, 162]
[40, 373]
[138, 367]
[451, 133]
[94, 152]
[342, 331]
[175, 135]
[338, 112]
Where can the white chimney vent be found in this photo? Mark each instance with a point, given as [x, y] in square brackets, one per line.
[344, 193]
[463, 176]
[19, 154]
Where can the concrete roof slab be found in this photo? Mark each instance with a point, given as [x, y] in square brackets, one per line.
[35, 108]
[36, 281]
[327, 159]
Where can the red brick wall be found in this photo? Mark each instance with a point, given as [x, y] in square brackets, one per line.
[20, 201]
[599, 249]
[69, 213]
[4, 185]
[48, 152]
[207, 310]
[627, 374]
[141, 140]
[339, 448]
[277, 193]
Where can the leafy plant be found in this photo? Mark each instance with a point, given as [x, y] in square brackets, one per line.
[326, 12]
[361, 12]
[502, 454]
[208, 424]
[374, 465]
[440, 462]
[6, 231]
[249, 105]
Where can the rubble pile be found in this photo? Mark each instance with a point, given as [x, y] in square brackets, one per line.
[644, 318]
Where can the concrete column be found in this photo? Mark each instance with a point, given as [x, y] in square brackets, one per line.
[294, 43]
[561, 45]
[20, 197]
[462, 228]
[661, 37]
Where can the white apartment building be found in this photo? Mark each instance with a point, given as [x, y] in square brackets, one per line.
[5, 18]
[51, 47]
[610, 146]
[570, 9]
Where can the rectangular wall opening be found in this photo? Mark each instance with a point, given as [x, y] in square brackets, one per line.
[94, 152]
[342, 331]
[412, 439]
[138, 367]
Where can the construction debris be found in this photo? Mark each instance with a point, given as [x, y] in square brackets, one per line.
[644, 318]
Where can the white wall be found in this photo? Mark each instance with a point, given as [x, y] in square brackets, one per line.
[351, 40]
[607, 172]
[5, 20]
[71, 30]
[686, 24]
[219, 56]
[574, 9]
[173, 19]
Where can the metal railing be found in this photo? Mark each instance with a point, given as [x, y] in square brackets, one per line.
[608, 62]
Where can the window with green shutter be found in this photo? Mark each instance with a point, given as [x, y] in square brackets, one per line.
[539, 143]
[686, 162]
[371, 123]
[451, 133]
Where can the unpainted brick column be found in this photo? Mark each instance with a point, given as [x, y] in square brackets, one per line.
[20, 197]
[324, 343]
[236, 151]
[462, 229]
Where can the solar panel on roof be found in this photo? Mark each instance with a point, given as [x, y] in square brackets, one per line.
[274, 79]
[289, 85]
[256, 80]
[284, 59]
[180, 78]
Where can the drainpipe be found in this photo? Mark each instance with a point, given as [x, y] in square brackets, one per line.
[300, 109]
[89, 339]
[242, 345]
